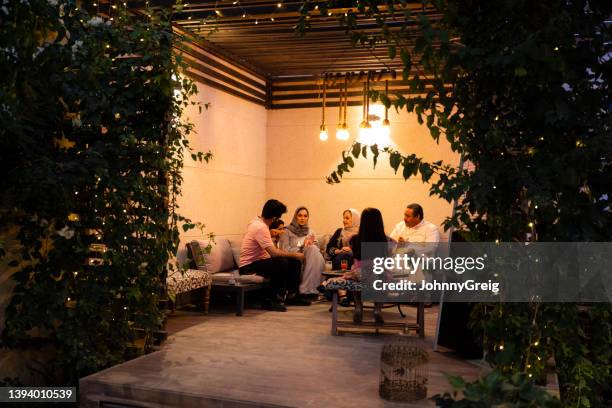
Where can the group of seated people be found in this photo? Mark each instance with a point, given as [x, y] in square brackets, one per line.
[290, 258]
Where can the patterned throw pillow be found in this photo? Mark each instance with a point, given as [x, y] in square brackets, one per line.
[195, 250]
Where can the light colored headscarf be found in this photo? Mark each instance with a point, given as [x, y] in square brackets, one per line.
[297, 229]
[348, 232]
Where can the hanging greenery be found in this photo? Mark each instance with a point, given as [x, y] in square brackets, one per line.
[521, 91]
[92, 143]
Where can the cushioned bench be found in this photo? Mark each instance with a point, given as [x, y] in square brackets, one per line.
[222, 264]
[181, 283]
[338, 326]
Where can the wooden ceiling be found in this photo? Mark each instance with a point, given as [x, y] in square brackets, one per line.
[261, 35]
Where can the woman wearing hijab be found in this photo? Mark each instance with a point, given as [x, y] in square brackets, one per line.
[299, 237]
[338, 247]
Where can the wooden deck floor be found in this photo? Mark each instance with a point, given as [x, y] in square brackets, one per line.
[263, 359]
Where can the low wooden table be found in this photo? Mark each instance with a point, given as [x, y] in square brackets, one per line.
[341, 325]
[239, 289]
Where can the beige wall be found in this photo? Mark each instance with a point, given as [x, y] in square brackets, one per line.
[227, 192]
[298, 162]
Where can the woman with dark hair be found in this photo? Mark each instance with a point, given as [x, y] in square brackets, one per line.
[371, 231]
[338, 247]
[299, 237]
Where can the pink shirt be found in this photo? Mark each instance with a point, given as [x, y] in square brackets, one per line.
[255, 242]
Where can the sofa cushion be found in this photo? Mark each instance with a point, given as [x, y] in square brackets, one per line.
[220, 257]
[178, 282]
[196, 249]
[235, 244]
[224, 277]
[322, 241]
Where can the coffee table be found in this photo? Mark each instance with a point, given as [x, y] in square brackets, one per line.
[333, 274]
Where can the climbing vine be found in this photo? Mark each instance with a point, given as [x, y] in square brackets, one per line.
[93, 144]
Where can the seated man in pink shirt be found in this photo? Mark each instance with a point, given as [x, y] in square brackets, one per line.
[258, 255]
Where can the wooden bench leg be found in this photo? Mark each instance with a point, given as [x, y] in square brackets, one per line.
[206, 298]
[239, 301]
[334, 323]
[421, 319]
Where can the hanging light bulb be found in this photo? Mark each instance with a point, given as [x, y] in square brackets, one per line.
[323, 133]
[386, 125]
[343, 132]
[323, 128]
[365, 124]
[340, 131]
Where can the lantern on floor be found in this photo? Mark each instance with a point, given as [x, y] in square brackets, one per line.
[403, 370]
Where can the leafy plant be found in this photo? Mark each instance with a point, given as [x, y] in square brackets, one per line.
[496, 390]
[92, 145]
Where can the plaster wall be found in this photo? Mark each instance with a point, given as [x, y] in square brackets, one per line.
[228, 191]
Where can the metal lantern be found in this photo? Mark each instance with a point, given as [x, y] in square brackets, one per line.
[403, 370]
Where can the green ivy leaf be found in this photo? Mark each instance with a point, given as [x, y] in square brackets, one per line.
[408, 169]
[455, 381]
[356, 150]
[520, 72]
[374, 149]
[426, 171]
[394, 160]
[406, 59]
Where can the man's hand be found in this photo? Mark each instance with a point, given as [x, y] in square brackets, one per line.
[274, 252]
[346, 249]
